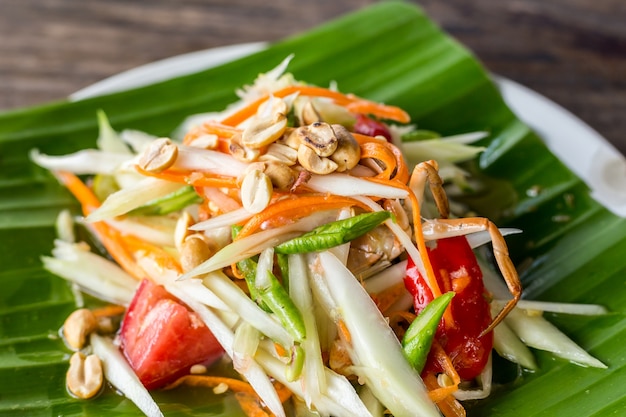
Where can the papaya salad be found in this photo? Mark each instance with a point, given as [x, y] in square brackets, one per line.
[304, 238]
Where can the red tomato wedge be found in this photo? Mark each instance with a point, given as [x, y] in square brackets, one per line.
[162, 338]
[456, 269]
[371, 127]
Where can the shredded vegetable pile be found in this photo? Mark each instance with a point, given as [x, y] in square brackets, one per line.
[304, 237]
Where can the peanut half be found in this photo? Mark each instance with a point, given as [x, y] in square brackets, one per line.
[159, 155]
[256, 191]
[85, 377]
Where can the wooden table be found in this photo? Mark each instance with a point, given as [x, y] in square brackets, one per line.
[572, 51]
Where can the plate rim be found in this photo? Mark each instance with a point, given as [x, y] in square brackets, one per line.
[595, 160]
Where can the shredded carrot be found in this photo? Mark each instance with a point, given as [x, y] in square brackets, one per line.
[378, 151]
[450, 407]
[251, 405]
[288, 209]
[87, 199]
[223, 133]
[163, 258]
[368, 142]
[211, 381]
[244, 392]
[438, 393]
[419, 236]
[402, 173]
[283, 392]
[235, 271]
[109, 310]
[445, 363]
[195, 178]
[120, 247]
[113, 242]
[110, 238]
[361, 138]
[379, 110]
[430, 277]
[280, 350]
[447, 404]
[344, 331]
[360, 105]
[214, 128]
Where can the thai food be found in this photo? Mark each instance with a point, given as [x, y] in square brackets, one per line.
[304, 237]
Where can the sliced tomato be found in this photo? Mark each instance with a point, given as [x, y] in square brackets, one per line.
[371, 127]
[162, 338]
[456, 269]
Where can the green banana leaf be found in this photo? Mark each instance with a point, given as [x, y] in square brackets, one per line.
[572, 249]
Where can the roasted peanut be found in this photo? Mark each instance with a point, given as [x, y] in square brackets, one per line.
[290, 138]
[271, 107]
[181, 230]
[319, 137]
[78, 326]
[241, 152]
[281, 176]
[314, 163]
[194, 251]
[263, 131]
[348, 152]
[256, 191]
[85, 377]
[305, 111]
[208, 141]
[159, 155]
[277, 152]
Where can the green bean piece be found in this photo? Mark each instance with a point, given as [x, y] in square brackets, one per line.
[420, 134]
[170, 203]
[234, 231]
[419, 336]
[296, 363]
[248, 270]
[247, 267]
[279, 302]
[283, 265]
[333, 234]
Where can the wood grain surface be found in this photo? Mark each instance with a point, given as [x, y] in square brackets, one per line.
[572, 51]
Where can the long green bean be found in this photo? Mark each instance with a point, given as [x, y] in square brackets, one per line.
[279, 302]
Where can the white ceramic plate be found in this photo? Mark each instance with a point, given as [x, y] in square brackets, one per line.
[581, 148]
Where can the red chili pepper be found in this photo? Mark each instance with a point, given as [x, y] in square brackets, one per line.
[456, 269]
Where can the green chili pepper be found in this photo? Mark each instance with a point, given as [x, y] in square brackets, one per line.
[419, 336]
[333, 234]
[170, 203]
[279, 302]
